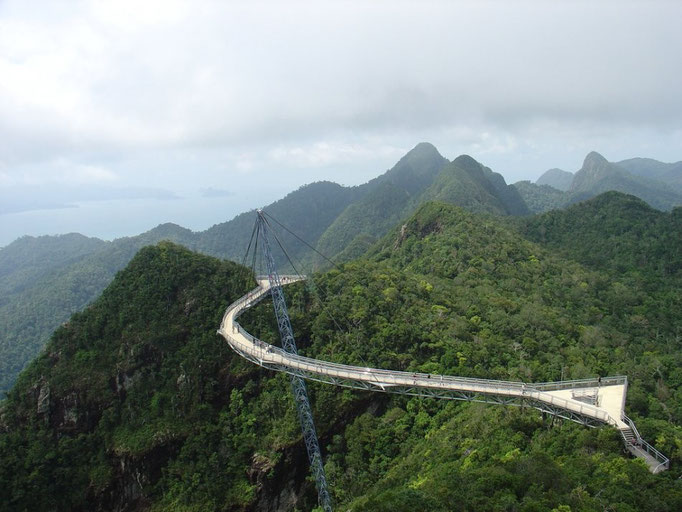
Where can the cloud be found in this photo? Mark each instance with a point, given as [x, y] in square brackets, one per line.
[124, 96]
[211, 192]
[86, 174]
[13, 204]
[125, 76]
[31, 197]
[325, 153]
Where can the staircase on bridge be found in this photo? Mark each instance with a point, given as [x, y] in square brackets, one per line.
[638, 447]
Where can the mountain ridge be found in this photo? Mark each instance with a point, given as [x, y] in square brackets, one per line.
[337, 220]
[598, 175]
[557, 178]
[669, 173]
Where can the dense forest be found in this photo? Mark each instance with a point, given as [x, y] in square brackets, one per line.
[44, 280]
[136, 403]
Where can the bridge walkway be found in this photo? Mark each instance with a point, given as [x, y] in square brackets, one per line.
[590, 401]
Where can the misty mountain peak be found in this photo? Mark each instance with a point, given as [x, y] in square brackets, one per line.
[424, 147]
[594, 161]
[557, 178]
[594, 170]
[467, 163]
[424, 154]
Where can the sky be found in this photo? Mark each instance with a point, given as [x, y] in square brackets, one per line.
[116, 116]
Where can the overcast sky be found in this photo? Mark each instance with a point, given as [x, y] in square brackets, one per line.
[117, 116]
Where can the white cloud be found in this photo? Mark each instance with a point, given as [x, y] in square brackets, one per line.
[125, 75]
[325, 153]
[161, 93]
[88, 174]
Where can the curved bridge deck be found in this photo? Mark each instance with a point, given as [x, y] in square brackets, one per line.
[590, 402]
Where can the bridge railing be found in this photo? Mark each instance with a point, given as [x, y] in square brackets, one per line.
[581, 383]
[382, 377]
[270, 354]
[257, 293]
[400, 378]
[284, 278]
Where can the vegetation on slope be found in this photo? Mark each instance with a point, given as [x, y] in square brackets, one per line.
[541, 198]
[47, 279]
[556, 178]
[394, 197]
[386, 200]
[463, 182]
[137, 403]
[597, 175]
[311, 209]
[26, 266]
[613, 232]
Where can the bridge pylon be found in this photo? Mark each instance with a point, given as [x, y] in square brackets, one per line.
[298, 385]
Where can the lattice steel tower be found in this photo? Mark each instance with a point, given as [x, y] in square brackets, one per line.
[298, 386]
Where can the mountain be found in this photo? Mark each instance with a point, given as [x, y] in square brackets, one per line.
[384, 201]
[45, 280]
[467, 183]
[136, 403]
[540, 198]
[614, 231]
[41, 290]
[414, 172]
[392, 197]
[556, 178]
[311, 209]
[330, 215]
[597, 175]
[670, 174]
[658, 183]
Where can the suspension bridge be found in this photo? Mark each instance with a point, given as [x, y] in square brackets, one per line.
[591, 402]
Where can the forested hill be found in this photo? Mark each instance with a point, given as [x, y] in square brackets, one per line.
[136, 404]
[46, 279]
[615, 232]
[344, 221]
[469, 184]
[43, 281]
[668, 173]
[638, 246]
[311, 209]
[657, 183]
[27, 259]
[385, 201]
[464, 182]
